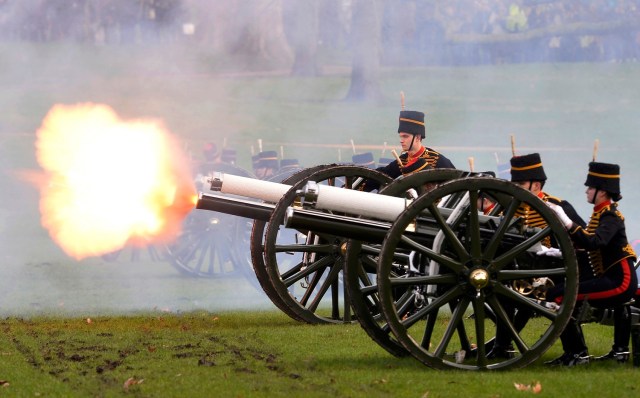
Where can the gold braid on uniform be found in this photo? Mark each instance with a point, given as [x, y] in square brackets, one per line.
[531, 218]
[628, 248]
[595, 257]
[431, 157]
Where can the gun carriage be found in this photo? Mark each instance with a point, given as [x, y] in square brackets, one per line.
[417, 264]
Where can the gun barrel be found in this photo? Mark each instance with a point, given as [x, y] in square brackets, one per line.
[249, 187]
[327, 197]
[344, 226]
[235, 206]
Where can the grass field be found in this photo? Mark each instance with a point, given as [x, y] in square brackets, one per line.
[253, 354]
[195, 337]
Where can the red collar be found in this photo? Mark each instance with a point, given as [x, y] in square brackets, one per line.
[418, 154]
[601, 206]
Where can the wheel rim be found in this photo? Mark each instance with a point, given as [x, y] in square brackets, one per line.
[360, 272]
[476, 266]
[257, 242]
[309, 279]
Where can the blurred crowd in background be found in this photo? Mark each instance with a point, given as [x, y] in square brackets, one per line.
[413, 32]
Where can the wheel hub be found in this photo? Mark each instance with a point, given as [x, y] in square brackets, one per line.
[479, 278]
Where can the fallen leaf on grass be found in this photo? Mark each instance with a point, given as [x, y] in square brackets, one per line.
[460, 355]
[130, 382]
[535, 388]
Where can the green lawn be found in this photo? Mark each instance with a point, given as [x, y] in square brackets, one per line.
[255, 354]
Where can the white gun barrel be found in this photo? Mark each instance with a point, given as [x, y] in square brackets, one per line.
[249, 187]
[368, 205]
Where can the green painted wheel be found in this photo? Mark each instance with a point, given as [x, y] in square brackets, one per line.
[258, 228]
[306, 268]
[472, 265]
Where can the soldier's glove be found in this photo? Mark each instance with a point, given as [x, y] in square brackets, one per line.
[564, 218]
[549, 251]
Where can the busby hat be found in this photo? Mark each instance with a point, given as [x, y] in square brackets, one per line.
[414, 166]
[228, 155]
[385, 161]
[268, 159]
[527, 168]
[363, 159]
[255, 159]
[412, 122]
[289, 163]
[605, 177]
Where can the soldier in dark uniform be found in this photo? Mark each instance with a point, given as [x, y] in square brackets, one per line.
[527, 172]
[210, 158]
[228, 156]
[613, 280]
[266, 164]
[288, 164]
[411, 131]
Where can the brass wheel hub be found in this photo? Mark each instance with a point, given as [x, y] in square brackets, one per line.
[479, 278]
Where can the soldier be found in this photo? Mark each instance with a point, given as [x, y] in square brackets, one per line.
[210, 158]
[527, 172]
[265, 164]
[289, 164]
[411, 131]
[613, 281]
[228, 156]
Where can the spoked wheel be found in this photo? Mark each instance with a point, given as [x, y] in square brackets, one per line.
[305, 268]
[212, 244]
[362, 259]
[257, 240]
[444, 314]
[137, 253]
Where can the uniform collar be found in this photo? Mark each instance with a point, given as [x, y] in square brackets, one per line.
[419, 153]
[602, 205]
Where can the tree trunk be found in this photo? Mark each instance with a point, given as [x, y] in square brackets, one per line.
[365, 67]
[300, 24]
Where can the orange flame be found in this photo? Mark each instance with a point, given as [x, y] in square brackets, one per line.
[109, 182]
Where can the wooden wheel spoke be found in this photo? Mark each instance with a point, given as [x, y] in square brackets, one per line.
[305, 248]
[450, 235]
[503, 227]
[441, 259]
[291, 278]
[329, 281]
[526, 302]
[510, 275]
[479, 321]
[452, 326]
[450, 295]
[474, 225]
[498, 309]
[507, 258]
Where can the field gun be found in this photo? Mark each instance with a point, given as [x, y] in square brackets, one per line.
[432, 282]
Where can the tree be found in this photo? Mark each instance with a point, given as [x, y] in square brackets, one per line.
[365, 67]
[300, 24]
